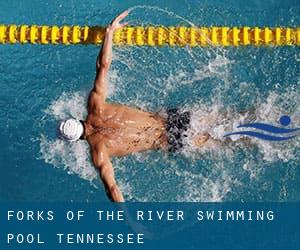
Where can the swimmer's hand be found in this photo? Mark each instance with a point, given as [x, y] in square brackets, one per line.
[115, 24]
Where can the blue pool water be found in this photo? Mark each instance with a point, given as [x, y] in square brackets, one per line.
[42, 84]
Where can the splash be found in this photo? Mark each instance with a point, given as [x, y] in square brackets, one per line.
[216, 86]
[217, 120]
[72, 158]
[192, 185]
[68, 105]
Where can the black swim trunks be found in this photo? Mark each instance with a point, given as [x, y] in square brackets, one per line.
[177, 125]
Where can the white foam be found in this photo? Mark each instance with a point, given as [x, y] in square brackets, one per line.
[271, 110]
[188, 182]
[217, 121]
[68, 105]
[72, 157]
[214, 118]
[200, 188]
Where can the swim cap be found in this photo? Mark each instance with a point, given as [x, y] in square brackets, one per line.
[70, 129]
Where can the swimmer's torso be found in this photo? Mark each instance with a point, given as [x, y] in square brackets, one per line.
[124, 130]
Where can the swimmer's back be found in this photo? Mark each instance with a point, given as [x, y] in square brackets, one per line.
[126, 130]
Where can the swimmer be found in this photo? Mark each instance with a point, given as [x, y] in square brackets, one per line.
[114, 130]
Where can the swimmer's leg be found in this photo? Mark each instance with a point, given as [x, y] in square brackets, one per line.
[200, 140]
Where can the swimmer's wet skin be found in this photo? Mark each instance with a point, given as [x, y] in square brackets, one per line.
[117, 130]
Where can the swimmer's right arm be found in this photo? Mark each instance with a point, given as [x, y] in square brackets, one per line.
[105, 56]
[103, 164]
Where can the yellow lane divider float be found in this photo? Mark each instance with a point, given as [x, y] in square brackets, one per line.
[152, 36]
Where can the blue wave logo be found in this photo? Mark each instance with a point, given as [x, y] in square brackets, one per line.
[279, 133]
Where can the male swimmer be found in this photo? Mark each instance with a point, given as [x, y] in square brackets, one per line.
[117, 130]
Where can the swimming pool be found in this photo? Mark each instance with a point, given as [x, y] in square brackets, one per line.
[42, 84]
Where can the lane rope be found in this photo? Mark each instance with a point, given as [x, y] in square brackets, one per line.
[152, 35]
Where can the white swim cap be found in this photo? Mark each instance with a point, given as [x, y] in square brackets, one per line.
[70, 130]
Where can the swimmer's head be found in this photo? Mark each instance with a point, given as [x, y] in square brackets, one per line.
[70, 129]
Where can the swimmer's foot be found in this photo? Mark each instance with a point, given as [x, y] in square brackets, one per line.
[200, 140]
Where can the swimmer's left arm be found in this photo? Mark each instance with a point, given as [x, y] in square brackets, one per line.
[105, 56]
[103, 164]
